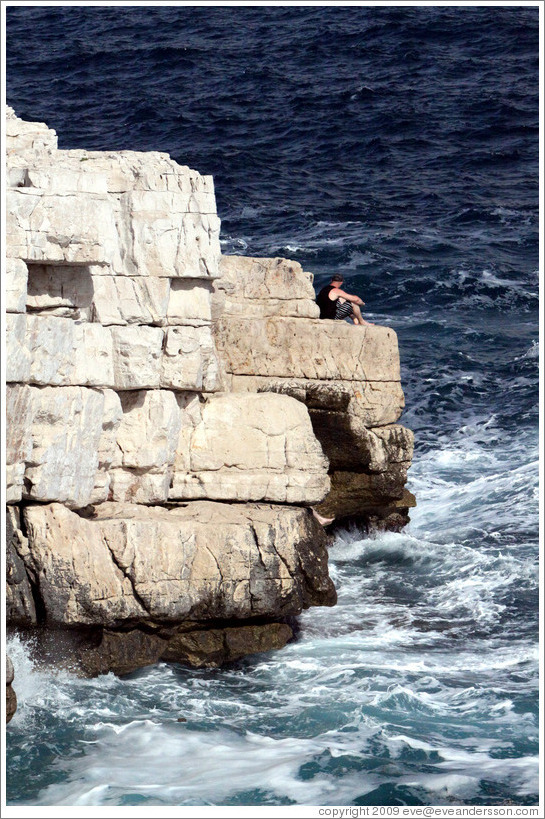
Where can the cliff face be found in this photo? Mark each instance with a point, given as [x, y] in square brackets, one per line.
[270, 339]
[151, 385]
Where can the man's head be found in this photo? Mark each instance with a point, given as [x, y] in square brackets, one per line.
[337, 279]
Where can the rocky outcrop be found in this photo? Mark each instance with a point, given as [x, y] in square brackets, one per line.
[172, 415]
[110, 342]
[200, 647]
[79, 446]
[150, 578]
[120, 427]
[202, 583]
[20, 601]
[194, 562]
[11, 697]
[348, 378]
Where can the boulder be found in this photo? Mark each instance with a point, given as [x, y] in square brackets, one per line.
[201, 561]
[251, 447]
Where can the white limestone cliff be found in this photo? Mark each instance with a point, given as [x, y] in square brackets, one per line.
[171, 415]
[270, 341]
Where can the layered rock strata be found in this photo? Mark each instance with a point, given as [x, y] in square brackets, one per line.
[120, 431]
[172, 415]
[270, 340]
[148, 582]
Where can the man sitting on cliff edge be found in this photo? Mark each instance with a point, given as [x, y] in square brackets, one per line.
[335, 303]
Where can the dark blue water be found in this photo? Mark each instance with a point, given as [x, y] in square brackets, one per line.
[399, 145]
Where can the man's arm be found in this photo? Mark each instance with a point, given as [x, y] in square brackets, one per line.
[337, 292]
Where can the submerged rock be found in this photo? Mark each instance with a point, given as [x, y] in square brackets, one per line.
[199, 647]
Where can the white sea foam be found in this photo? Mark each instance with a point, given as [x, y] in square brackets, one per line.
[204, 768]
[35, 686]
[146, 754]
[210, 767]
[532, 352]
[232, 243]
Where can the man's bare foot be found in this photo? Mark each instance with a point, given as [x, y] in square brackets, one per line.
[321, 519]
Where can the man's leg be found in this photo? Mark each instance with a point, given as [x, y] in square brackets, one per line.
[357, 316]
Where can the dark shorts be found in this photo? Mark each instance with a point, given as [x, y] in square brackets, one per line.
[343, 310]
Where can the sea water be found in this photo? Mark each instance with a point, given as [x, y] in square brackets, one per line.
[398, 145]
